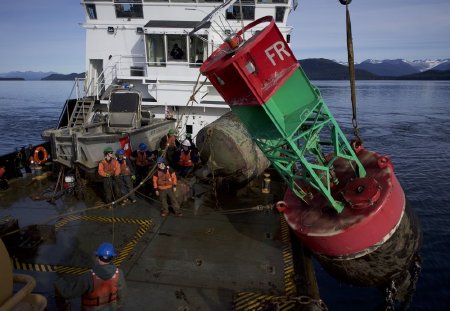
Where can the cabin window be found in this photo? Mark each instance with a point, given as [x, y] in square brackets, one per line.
[176, 48]
[234, 12]
[129, 9]
[91, 11]
[198, 50]
[279, 13]
[156, 53]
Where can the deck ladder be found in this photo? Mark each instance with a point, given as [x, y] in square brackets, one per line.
[83, 108]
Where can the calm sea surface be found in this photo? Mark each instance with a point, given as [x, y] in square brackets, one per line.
[407, 120]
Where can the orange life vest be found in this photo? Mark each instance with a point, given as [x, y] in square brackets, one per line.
[185, 159]
[142, 159]
[164, 180]
[124, 169]
[105, 291]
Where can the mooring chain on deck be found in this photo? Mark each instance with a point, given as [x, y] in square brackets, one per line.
[257, 208]
[351, 69]
[274, 303]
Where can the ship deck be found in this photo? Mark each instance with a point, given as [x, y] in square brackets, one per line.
[213, 258]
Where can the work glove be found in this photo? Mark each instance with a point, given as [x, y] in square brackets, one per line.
[108, 175]
[174, 189]
[157, 193]
[133, 178]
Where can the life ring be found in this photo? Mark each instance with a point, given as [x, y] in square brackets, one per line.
[40, 155]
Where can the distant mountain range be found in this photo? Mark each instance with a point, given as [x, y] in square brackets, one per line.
[325, 69]
[316, 69]
[401, 67]
[33, 75]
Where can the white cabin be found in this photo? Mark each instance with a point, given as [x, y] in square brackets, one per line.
[130, 41]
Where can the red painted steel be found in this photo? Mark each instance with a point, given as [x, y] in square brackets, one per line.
[250, 74]
[360, 226]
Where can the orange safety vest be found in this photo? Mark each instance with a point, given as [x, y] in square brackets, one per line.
[104, 292]
[112, 168]
[171, 141]
[124, 169]
[185, 159]
[141, 159]
[164, 180]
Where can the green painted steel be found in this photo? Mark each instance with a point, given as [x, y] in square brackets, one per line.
[298, 134]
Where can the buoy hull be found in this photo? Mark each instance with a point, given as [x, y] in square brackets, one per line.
[360, 244]
[388, 261]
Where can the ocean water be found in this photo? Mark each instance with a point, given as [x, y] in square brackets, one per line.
[407, 120]
[27, 108]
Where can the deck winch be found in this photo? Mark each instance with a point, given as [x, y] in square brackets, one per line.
[344, 202]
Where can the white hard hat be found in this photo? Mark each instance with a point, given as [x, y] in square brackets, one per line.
[186, 143]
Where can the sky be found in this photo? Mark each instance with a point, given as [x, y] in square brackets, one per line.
[45, 35]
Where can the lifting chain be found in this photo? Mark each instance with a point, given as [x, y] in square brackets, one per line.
[411, 276]
[351, 69]
[273, 303]
[391, 292]
[415, 272]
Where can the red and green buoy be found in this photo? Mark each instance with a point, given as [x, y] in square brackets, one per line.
[344, 202]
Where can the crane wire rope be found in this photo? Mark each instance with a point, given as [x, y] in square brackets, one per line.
[351, 69]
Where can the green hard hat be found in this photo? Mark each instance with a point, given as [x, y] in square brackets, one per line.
[172, 131]
[108, 150]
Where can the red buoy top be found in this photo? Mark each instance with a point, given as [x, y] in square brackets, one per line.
[248, 72]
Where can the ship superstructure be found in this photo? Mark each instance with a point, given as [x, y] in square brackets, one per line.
[131, 42]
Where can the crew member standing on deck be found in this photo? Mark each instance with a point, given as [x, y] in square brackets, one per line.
[126, 175]
[191, 141]
[188, 158]
[142, 160]
[109, 169]
[165, 185]
[101, 288]
[169, 146]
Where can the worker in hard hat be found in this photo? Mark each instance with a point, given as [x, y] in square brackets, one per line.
[126, 176]
[188, 158]
[191, 141]
[109, 169]
[169, 140]
[169, 146]
[142, 159]
[165, 185]
[101, 288]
